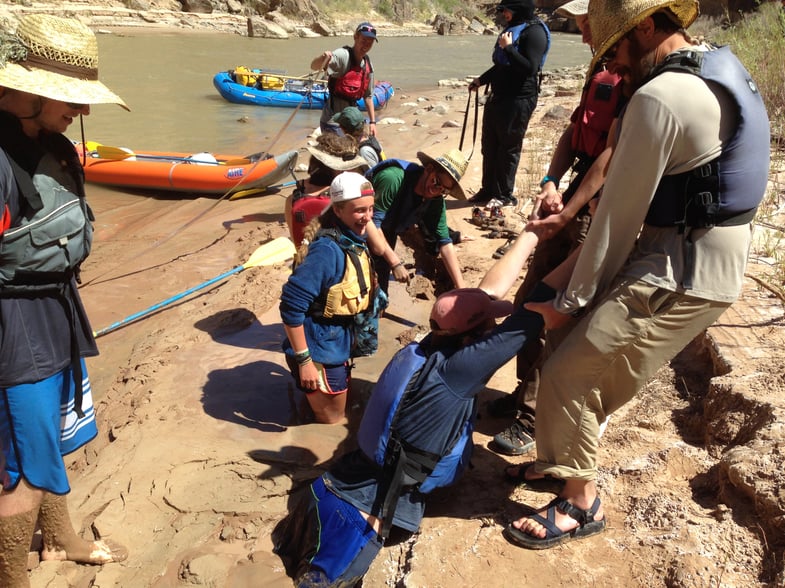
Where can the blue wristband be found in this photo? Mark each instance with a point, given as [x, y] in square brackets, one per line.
[547, 179]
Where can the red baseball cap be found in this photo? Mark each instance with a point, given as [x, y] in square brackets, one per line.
[461, 310]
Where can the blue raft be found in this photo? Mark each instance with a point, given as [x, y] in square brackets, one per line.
[262, 88]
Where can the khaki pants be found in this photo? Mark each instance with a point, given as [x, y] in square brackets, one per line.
[603, 362]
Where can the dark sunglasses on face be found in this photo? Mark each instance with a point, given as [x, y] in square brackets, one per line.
[75, 105]
[445, 186]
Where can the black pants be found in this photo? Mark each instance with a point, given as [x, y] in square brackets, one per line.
[504, 125]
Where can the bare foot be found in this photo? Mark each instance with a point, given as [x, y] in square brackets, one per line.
[88, 552]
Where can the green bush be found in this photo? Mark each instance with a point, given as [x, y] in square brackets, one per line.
[759, 42]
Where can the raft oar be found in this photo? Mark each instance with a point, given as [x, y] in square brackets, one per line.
[254, 191]
[116, 153]
[276, 251]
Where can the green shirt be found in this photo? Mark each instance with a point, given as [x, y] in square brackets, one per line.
[397, 207]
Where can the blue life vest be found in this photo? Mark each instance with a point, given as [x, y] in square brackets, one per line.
[500, 57]
[402, 163]
[728, 190]
[404, 465]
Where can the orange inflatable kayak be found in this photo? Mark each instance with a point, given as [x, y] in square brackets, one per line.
[200, 173]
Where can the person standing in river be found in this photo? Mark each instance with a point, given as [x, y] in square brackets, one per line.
[350, 77]
[48, 77]
[518, 58]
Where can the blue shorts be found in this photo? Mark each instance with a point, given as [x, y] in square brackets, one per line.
[38, 426]
[325, 541]
[336, 377]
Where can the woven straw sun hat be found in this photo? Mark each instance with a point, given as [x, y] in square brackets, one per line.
[610, 20]
[53, 57]
[344, 162]
[454, 162]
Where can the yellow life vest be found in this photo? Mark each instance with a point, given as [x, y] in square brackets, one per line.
[352, 295]
[244, 76]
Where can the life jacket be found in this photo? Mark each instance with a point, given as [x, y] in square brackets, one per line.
[44, 247]
[304, 210]
[402, 163]
[353, 84]
[244, 76]
[356, 300]
[404, 465]
[599, 105]
[500, 57]
[351, 295]
[727, 190]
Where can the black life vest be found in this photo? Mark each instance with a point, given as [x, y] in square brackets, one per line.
[727, 190]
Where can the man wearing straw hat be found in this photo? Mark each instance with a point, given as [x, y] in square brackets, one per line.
[408, 194]
[48, 77]
[666, 253]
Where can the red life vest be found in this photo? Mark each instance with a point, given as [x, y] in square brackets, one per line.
[353, 84]
[600, 104]
[304, 210]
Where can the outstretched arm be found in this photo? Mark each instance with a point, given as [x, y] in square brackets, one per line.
[504, 272]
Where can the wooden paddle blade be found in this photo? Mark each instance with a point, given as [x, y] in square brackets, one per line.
[275, 251]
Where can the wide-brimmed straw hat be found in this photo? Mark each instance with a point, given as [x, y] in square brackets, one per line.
[345, 162]
[610, 20]
[53, 57]
[454, 162]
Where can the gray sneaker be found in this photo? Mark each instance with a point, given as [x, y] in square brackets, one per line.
[516, 439]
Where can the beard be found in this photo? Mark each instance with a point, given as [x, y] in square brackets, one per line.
[643, 61]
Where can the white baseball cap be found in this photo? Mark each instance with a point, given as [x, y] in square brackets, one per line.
[348, 186]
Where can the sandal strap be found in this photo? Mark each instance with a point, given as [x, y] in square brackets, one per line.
[578, 514]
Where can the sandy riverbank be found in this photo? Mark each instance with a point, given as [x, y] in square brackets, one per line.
[200, 443]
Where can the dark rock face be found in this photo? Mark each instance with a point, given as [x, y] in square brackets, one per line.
[199, 6]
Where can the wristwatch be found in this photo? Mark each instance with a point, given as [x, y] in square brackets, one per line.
[547, 179]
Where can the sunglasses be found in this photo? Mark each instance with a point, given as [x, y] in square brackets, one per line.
[75, 105]
[446, 186]
[366, 29]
